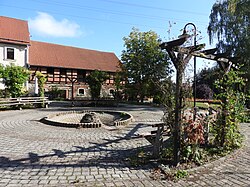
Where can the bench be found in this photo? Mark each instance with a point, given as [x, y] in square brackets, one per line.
[21, 101]
[155, 137]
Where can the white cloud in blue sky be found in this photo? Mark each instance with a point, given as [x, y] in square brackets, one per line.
[46, 25]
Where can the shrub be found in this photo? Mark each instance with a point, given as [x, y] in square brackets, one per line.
[95, 80]
[14, 78]
[203, 91]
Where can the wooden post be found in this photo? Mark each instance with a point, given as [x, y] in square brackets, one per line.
[157, 146]
[180, 61]
[177, 124]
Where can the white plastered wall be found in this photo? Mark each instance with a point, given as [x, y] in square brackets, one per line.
[20, 56]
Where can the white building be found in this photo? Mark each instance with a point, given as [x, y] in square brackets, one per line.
[14, 42]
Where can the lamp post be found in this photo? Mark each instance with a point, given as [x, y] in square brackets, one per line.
[194, 88]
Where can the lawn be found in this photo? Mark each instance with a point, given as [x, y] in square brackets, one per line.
[200, 104]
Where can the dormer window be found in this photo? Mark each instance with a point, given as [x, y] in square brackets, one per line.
[10, 53]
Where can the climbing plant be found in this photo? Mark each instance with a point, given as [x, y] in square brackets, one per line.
[41, 82]
[226, 129]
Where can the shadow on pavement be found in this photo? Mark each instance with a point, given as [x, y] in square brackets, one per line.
[110, 157]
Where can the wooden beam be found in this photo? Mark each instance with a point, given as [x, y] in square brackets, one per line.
[221, 55]
[209, 51]
[173, 43]
[201, 55]
[195, 48]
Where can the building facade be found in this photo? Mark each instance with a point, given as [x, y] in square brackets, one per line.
[14, 42]
[65, 67]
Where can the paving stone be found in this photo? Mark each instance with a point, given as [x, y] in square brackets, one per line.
[24, 181]
[5, 181]
[43, 182]
[44, 155]
[110, 184]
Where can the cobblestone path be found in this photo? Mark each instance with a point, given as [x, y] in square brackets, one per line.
[35, 154]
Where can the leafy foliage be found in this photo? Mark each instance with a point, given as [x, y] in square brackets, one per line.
[230, 22]
[181, 174]
[226, 129]
[203, 91]
[41, 82]
[1, 70]
[55, 93]
[144, 63]
[95, 80]
[193, 137]
[119, 85]
[167, 99]
[14, 78]
[193, 131]
[208, 76]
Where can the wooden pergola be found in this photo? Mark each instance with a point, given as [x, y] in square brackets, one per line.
[180, 56]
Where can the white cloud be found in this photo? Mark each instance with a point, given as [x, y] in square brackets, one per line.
[46, 25]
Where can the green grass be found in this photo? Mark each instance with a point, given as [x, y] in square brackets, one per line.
[202, 105]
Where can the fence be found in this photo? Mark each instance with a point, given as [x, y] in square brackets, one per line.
[5, 102]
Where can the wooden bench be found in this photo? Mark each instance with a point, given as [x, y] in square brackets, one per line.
[21, 101]
[155, 137]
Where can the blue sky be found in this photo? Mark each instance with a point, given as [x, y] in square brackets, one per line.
[102, 24]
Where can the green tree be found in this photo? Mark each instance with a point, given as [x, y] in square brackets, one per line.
[14, 78]
[208, 77]
[95, 80]
[144, 62]
[119, 85]
[230, 23]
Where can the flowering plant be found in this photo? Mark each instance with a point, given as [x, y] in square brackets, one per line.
[193, 136]
[193, 131]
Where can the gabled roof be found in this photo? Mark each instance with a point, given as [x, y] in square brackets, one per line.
[14, 31]
[53, 55]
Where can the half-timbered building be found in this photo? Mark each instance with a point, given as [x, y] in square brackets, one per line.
[65, 67]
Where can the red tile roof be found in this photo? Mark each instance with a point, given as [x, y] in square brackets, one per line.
[14, 31]
[53, 55]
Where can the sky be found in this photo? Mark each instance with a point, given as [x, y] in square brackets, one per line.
[102, 24]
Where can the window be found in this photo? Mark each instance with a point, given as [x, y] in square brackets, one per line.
[81, 91]
[10, 53]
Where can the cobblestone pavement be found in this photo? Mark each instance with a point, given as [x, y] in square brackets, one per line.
[35, 154]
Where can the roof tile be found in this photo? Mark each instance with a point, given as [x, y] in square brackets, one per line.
[53, 55]
[14, 31]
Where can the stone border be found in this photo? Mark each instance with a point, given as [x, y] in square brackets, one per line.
[129, 118]
[48, 119]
